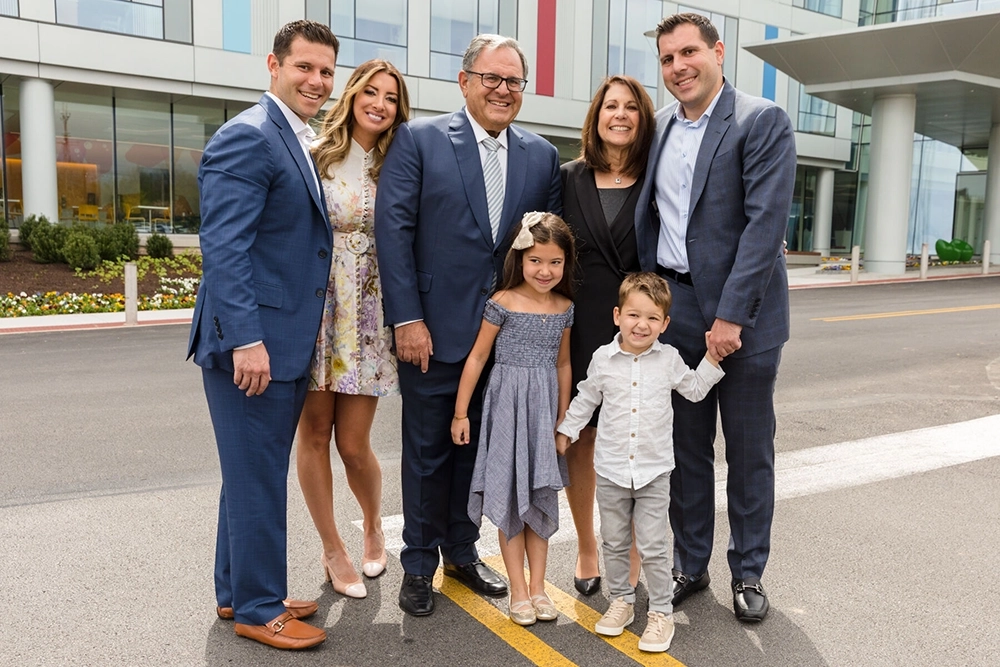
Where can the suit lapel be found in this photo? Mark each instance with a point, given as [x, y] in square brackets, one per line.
[718, 124]
[470, 166]
[517, 169]
[295, 149]
[593, 217]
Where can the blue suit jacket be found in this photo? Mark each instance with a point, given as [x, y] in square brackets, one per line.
[265, 244]
[740, 198]
[432, 228]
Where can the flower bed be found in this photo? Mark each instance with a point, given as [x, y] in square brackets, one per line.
[56, 303]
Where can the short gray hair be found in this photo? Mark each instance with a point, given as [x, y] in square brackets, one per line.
[483, 42]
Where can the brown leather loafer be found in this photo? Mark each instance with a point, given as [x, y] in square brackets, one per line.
[297, 608]
[284, 632]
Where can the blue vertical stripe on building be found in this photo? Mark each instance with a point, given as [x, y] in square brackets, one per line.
[770, 74]
[236, 25]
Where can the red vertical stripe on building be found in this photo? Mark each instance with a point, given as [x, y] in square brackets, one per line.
[545, 77]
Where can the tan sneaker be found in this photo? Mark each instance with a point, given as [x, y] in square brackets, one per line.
[659, 632]
[618, 615]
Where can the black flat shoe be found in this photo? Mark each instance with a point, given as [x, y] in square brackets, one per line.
[416, 595]
[749, 600]
[587, 586]
[684, 585]
[478, 576]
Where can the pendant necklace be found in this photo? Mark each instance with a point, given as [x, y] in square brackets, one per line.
[618, 180]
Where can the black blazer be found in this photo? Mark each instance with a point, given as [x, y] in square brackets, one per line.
[605, 253]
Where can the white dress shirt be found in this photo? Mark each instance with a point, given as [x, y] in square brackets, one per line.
[635, 431]
[674, 175]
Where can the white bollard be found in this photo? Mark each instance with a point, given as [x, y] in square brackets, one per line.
[924, 261]
[855, 262]
[131, 294]
[986, 256]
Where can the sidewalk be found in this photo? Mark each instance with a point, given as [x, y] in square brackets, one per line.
[799, 277]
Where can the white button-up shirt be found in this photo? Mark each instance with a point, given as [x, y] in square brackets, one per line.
[303, 133]
[635, 431]
[481, 134]
[673, 179]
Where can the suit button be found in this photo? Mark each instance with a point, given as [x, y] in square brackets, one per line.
[484, 291]
[216, 319]
[319, 293]
[322, 254]
[220, 336]
[496, 253]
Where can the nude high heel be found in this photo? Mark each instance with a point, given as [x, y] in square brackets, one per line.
[373, 568]
[354, 590]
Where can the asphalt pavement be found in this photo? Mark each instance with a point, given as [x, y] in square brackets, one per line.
[885, 529]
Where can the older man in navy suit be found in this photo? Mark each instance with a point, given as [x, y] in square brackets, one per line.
[265, 242]
[719, 188]
[452, 188]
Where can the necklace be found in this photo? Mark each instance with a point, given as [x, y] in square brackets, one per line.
[618, 181]
[545, 317]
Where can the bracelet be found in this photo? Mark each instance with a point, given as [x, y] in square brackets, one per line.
[456, 418]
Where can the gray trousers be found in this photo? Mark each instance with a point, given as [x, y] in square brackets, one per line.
[646, 509]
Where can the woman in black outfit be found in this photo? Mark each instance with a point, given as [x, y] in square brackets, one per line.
[600, 193]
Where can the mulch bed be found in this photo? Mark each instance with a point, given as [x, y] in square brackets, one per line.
[22, 274]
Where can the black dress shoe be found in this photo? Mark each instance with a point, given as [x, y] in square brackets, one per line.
[587, 586]
[684, 585]
[478, 576]
[416, 595]
[749, 600]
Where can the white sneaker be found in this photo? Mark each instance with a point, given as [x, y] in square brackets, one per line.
[659, 632]
[618, 615]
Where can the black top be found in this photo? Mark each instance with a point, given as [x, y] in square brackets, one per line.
[606, 253]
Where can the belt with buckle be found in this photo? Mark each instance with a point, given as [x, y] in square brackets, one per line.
[682, 278]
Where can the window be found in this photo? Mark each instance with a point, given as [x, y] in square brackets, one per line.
[828, 7]
[8, 8]
[370, 29]
[194, 123]
[10, 154]
[888, 11]
[455, 22]
[810, 114]
[142, 151]
[84, 154]
[140, 18]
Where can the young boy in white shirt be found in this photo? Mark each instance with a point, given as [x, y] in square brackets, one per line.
[632, 378]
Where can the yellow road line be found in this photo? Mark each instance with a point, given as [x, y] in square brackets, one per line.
[497, 622]
[627, 643]
[905, 313]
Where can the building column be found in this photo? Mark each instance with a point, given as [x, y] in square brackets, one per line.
[823, 216]
[991, 214]
[38, 149]
[887, 215]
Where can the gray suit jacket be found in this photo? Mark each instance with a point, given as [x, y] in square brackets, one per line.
[740, 198]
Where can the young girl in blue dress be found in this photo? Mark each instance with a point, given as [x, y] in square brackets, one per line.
[518, 473]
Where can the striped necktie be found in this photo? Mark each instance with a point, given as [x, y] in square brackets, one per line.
[493, 177]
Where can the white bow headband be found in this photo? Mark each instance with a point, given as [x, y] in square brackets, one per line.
[524, 239]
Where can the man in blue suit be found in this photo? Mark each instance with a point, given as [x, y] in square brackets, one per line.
[265, 243]
[718, 189]
[442, 229]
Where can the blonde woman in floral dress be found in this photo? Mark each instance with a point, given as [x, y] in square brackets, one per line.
[352, 364]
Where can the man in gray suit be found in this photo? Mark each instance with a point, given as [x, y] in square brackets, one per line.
[718, 189]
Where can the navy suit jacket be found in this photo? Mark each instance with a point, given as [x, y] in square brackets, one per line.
[436, 253]
[740, 198]
[265, 244]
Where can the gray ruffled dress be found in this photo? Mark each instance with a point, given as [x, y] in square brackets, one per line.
[518, 473]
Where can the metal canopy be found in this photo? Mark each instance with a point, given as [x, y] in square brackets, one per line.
[952, 65]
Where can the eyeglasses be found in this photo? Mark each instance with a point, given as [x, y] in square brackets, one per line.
[493, 81]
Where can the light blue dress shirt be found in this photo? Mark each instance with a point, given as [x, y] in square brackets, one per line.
[674, 175]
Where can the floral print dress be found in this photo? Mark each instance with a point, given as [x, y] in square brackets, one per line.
[353, 350]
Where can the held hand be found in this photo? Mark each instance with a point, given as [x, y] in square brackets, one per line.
[460, 430]
[562, 443]
[413, 344]
[724, 339]
[711, 357]
[252, 369]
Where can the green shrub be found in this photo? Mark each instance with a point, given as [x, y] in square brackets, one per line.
[47, 242]
[158, 246]
[28, 226]
[119, 240]
[80, 250]
[5, 252]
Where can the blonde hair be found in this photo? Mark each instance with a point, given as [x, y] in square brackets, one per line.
[650, 284]
[335, 135]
